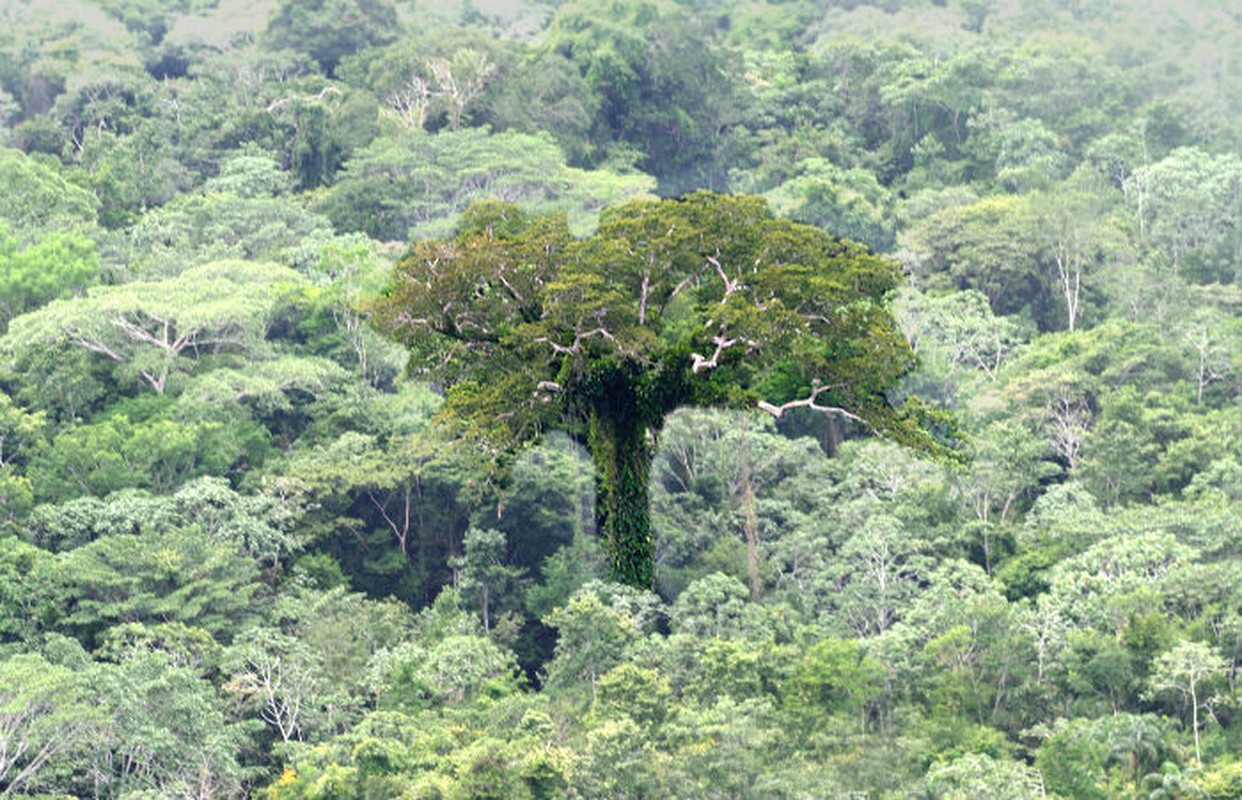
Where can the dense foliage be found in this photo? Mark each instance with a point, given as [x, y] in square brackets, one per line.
[252, 547]
[530, 329]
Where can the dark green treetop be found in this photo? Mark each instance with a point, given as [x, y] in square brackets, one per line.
[708, 300]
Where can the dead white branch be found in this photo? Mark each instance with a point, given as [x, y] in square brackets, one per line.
[810, 402]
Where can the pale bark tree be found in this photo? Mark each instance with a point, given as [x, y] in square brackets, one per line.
[1213, 349]
[276, 676]
[460, 80]
[43, 715]
[1187, 670]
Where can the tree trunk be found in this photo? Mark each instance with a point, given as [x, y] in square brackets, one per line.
[1194, 713]
[622, 456]
[750, 524]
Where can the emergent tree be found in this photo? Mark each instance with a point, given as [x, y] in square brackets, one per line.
[705, 300]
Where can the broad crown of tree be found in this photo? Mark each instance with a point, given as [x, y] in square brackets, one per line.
[708, 300]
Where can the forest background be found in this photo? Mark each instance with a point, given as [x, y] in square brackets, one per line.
[239, 556]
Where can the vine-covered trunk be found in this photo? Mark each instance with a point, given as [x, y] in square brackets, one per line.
[622, 456]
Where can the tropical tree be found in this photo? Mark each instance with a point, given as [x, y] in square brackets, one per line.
[591, 640]
[168, 733]
[1187, 208]
[59, 264]
[152, 330]
[483, 574]
[415, 183]
[44, 715]
[665, 89]
[708, 300]
[329, 30]
[1187, 670]
[39, 198]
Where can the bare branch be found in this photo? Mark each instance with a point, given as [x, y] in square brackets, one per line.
[679, 288]
[77, 338]
[404, 318]
[642, 299]
[594, 332]
[731, 286]
[810, 402]
[284, 102]
[701, 363]
[401, 532]
[514, 293]
[558, 348]
[576, 347]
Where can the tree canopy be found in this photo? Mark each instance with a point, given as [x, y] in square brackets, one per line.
[701, 301]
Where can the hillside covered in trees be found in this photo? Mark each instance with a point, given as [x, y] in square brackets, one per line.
[258, 540]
